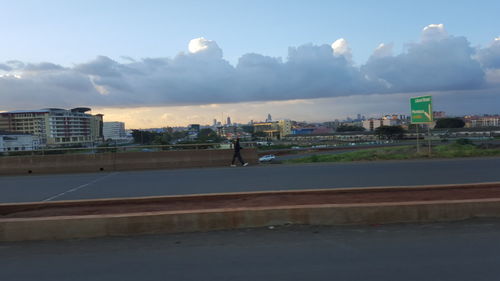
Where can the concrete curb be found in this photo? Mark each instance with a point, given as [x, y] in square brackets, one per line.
[71, 227]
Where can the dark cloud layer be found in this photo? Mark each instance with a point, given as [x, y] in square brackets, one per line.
[438, 62]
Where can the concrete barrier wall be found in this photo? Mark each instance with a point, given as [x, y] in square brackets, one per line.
[76, 163]
[190, 221]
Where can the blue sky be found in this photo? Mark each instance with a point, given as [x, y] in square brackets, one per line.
[68, 32]
[130, 59]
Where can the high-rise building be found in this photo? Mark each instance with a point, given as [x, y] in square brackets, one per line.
[228, 120]
[269, 118]
[54, 126]
[285, 127]
[114, 130]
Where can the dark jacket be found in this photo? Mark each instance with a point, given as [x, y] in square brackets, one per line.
[237, 146]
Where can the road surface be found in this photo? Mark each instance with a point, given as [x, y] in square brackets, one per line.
[29, 188]
[468, 250]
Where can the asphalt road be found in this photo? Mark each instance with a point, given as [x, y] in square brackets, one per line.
[28, 188]
[468, 250]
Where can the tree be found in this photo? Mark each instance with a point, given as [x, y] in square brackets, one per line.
[179, 135]
[450, 123]
[248, 128]
[208, 135]
[390, 132]
[162, 139]
[142, 137]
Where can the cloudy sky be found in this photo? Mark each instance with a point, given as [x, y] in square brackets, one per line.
[169, 63]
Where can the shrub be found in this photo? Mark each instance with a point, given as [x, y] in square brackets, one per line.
[464, 142]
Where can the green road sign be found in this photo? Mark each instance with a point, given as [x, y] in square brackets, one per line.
[421, 110]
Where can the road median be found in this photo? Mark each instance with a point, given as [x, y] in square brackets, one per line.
[207, 212]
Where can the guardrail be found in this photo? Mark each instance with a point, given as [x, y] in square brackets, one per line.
[123, 148]
[114, 160]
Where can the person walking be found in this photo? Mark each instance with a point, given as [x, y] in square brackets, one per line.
[237, 154]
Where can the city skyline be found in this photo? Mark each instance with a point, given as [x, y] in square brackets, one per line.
[172, 63]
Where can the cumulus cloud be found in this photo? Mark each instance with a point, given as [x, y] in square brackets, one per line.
[341, 48]
[434, 32]
[205, 48]
[490, 56]
[383, 50]
[437, 62]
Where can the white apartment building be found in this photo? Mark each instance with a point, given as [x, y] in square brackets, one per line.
[372, 124]
[285, 127]
[482, 121]
[55, 127]
[114, 130]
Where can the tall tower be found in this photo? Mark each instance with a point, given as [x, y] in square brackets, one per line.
[228, 120]
[269, 118]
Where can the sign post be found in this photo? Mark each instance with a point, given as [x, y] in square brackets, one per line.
[421, 113]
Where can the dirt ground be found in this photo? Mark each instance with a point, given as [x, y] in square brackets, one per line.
[229, 201]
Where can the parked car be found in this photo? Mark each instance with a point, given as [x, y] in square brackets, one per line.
[267, 158]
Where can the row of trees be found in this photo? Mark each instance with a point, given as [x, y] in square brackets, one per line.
[396, 132]
[449, 123]
[390, 132]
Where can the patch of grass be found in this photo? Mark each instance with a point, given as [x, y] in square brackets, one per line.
[467, 150]
[402, 153]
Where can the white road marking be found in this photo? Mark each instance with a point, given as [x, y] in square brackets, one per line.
[79, 187]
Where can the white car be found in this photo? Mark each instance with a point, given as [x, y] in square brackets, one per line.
[267, 158]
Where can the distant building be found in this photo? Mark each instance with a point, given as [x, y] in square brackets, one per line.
[317, 130]
[193, 131]
[482, 121]
[372, 124]
[302, 131]
[54, 126]
[228, 122]
[194, 128]
[275, 129]
[114, 130]
[17, 142]
[269, 118]
[285, 127]
[233, 131]
[271, 129]
[438, 114]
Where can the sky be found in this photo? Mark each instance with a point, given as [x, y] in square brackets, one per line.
[171, 63]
